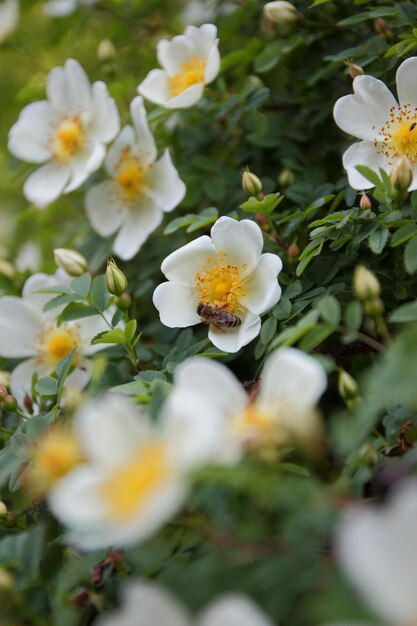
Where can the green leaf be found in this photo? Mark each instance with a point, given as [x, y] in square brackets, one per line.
[403, 234]
[330, 310]
[205, 218]
[369, 175]
[75, 311]
[64, 366]
[81, 284]
[116, 335]
[23, 551]
[130, 330]
[410, 256]
[405, 313]
[98, 293]
[63, 298]
[47, 386]
[268, 330]
[316, 336]
[378, 239]
[353, 315]
[264, 206]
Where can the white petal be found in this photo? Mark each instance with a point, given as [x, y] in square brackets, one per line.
[377, 548]
[187, 98]
[293, 379]
[68, 88]
[126, 138]
[406, 82]
[212, 65]
[79, 378]
[59, 8]
[85, 163]
[155, 87]
[21, 379]
[232, 339]
[146, 148]
[241, 241]
[146, 604]
[363, 153]
[140, 222]
[103, 208]
[183, 264]
[171, 54]
[105, 121]
[165, 186]
[9, 17]
[262, 289]
[46, 184]
[202, 38]
[28, 138]
[38, 282]
[177, 305]
[413, 185]
[89, 327]
[20, 323]
[367, 108]
[233, 610]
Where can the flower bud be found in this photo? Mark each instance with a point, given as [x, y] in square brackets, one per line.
[3, 392]
[106, 50]
[9, 403]
[365, 284]
[280, 12]
[72, 262]
[251, 183]
[5, 378]
[402, 174]
[355, 70]
[365, 202]
[293, 251]
[381, 27]
[116, 281]
[347, 386]
[374, 307]
[3, 511]
[28, 403]
[123, 302]
[7, 269]
[286, 177]
[7, 582]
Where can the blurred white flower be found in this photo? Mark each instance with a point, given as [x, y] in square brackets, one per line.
[9, 17]
[134, 479]
[377, 548]
[27, 333]
[388, 130]
[60, 8]
[140, 190]
[148, 604]
[226, 273]
[190, 61]
[28, 257]
[283, 411]
[67, 132]
[280, 11]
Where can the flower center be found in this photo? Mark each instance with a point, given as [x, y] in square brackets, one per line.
[399, 135]
[130, 176]
[220, 284]
[55, 343]
[68, 138]
[131, 485]
[192, 73]
[254, 426]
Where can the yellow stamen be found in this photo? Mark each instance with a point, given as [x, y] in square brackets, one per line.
[69, 137]
[131, 485]
[220, 284]
[399, 134]
[254, 425]
[130, 176]
[192, 73]
[55, 343]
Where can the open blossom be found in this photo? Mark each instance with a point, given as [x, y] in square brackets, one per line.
[229, 275]
[60, 8]
[377, 548]
[27, 333]
[140, 190]
[134, 477]
[9, 17]
[67, 132]
[189, 61]
[283, 411]
[148, 604]
[388, 129]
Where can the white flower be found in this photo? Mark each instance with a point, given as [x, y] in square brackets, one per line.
[280, 11]
[148, 604]
[388, 130]
[67, 132]
[141, 188]
[227, 272]
[283, 411]
[9, 17]
[190, 61]
[134, 479]
[28, 257]
[26, 332]
[377, 548]
[60, 8]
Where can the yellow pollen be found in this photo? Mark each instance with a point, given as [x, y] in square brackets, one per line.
[129, 487]
[254, 424]
[130, 176]
[55, 343]
[220, 284]
[68, 139]
[398, 137]
[192, 73]
[54, 455]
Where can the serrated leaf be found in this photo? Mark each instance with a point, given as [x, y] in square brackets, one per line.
[64, 366]
[410, 256]
[264, 206]
[81, 284]
[130, 330]
[47, 386]
[330, 310]
[98, 293]
[268, 330]
[116, 335]
[75, 311]
[62, 299]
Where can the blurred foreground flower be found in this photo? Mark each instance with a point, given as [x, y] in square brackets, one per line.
[283, 412]
[388, 130]
[60, 8]
[223, 280]
[190, 62]
[9, 17]
[140, 190]
[148, 604]
[377, 548]
[68, 132]
[134, 478]
[26, 332]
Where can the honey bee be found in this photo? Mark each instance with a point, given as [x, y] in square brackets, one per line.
[220, 318]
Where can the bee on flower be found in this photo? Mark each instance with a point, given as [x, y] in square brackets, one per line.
[223, 280]
[67, 132]
[189, 61]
